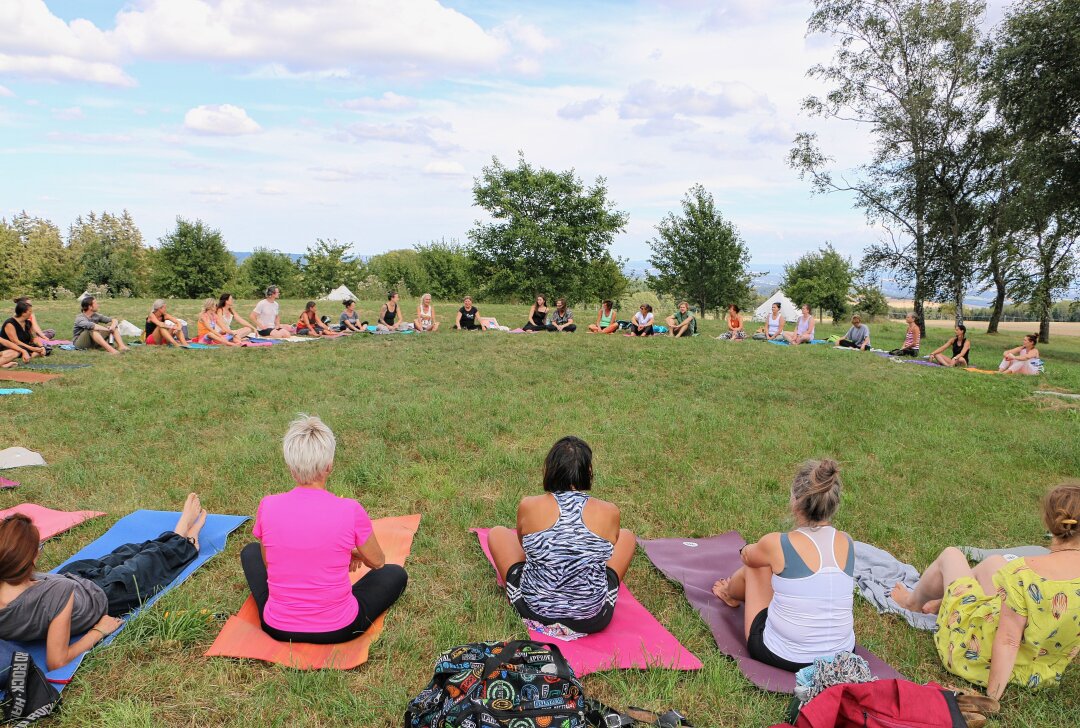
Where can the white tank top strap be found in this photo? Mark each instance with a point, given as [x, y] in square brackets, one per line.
[824, 540]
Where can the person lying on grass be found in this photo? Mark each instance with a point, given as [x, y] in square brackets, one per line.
[40, 335]
[858, 336]
[804, 327]
[17, 336]
[309, 323]
[735, 330]
[209, 328]
[682, 322]
[562, 318]
[605, 319]
[797, 587]
[961, 350]
[1012, 621]
[912, 337]
[642, 323]
[267, 316]
[163, 329]
[425, 315]
[1024, 359]
[350, 317]
[226, 314]
[92, 329]
[537, 315]
[309, 541]
[564, 563]
[87, 598]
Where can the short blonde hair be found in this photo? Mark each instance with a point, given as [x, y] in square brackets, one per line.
[309, 448]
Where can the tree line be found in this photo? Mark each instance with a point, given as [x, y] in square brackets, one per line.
[974, 173]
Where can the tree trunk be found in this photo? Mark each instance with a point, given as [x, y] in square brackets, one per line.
[1044, 329]
[999, 299]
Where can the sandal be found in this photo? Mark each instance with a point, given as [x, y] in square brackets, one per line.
[670, 719]
[603, 716]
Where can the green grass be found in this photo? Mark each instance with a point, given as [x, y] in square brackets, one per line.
[691, 438]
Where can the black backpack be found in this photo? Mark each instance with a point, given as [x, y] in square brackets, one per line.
[519, 684]
[27, 695]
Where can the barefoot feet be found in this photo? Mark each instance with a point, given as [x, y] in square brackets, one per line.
[192, 519]
[720, 591]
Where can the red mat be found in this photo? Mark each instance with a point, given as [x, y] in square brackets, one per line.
[48, 521]
[26, 377]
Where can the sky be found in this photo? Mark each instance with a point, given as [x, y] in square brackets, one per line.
[367, 121]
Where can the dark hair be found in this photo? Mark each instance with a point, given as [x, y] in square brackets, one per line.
[568, 466]
[737, 309]
[87, 303]
[1061, 510]
[1034, 338]
[648, 307]
[542, 296]
[22, 307]
[560, 300]
[390, 295]
[963, 330]
[271, 290]
[815, 492]
[308, 306]
[777, 304]
[22, 298]
[347, 302]
[19, 541]
[607, 303]
[223, 299]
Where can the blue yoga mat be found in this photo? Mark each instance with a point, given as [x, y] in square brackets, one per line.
[16, 390]
[135, 528]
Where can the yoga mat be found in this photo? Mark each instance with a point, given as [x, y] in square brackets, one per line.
[981, 371]
[48, 521]
[17, 390]
[18, 457]
[16, 375]
[196, 345]
[5, 483]
[243, 637]
[633, 640]
[258, 340]
[135, 528]
[696, 564]
[921, 362]
[45, 366]
[977, 554]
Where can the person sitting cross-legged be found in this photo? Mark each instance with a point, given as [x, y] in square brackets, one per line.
[468, 317]
[350, 318]
[1024, 359]
[564, 563]
[267, 316]
[309, 323]
[309, 541]
[804, 327]
[735, 331]
[162, 328]
[226, 313]
[210, 329]
[93, 329]
[17, 337]
[41, 336]
[961, 350]
[682, 322]
[642, 323]
[912, 337]
[798, 587]
[858, 336]
[425, 315]
[562, 318]
[605, 319]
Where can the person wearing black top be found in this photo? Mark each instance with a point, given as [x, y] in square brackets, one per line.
[537, 316]
[468, 317]
[17, 338]
[388, 315]
[961, 350]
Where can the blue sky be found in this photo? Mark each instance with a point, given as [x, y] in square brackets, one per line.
[367, 120]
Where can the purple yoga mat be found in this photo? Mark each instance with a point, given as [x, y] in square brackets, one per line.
[697, 564]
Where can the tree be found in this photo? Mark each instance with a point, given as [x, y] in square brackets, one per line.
[401, 269]
[699, 255]
[110, 252]
[546, 230]
[192, 262]
[265, 268]
[908, 70]
[327, 264]
[448, 269]
[870, 301]
[821, 280]
[32, 256]
[606, 280]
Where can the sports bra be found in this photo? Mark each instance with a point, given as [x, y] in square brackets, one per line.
[605, 319]
[389, 316]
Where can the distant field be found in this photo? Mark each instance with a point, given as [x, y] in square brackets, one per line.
[691, 438]
[1057, 328]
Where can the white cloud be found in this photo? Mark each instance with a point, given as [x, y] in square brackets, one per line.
[445, 169]
[582, 109]
[6, 92]
[525, 36]
[72, 113]
[665, 126]
[211, 192]
[420, 130]
[650, 100]
[389, 101]
[221, 120]
[272, 189]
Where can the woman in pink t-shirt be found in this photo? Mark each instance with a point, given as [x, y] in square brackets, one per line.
[310, 540]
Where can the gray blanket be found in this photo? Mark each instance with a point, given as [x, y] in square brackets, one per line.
[876, 573]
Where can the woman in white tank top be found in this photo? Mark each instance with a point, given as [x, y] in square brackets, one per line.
[804, 328]
[798, 587]
[774, 323]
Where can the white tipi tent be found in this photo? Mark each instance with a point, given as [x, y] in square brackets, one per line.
[341, 293]
[787, 309]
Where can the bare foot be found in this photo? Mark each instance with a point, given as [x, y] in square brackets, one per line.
[932, 607]
[188, 515]
[720, 591]
[196, 527]
[902, 596]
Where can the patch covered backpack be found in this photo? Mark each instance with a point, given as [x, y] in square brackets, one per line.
[519, 684]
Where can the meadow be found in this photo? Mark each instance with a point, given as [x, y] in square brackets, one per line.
[691, 438]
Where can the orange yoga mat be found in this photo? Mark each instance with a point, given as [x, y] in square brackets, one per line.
[243, 637]
[27, 377]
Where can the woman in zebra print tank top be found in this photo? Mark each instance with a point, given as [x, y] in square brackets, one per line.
[564, 563]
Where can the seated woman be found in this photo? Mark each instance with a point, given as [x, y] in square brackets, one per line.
[425, 315]
[858, 336]
[605, 319]
[17, 337]
[1024, 359]
[350, 318]
[87, 598]
[682, 323]
[798, 586]
[735, 330]
[208, 329]
[912, 337]
[468, 317]
[961, 350]
[1008, 621]
[163, 329]
[564, 563]
[642, 323]
[226, 313]
[309, 323]
[310, 540]
[562, 318]
[804, 327]
[388, 314]
[773, 330]
[537, 316]
[41, 336]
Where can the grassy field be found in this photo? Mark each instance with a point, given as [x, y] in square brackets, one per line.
[691, 438]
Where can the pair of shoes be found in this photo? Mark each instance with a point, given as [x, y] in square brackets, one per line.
[603, 716]
[974, 706]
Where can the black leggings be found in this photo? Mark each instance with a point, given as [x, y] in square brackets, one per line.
[755, 645]
[904, 352]
[567, 329]
[641, 330]
[134, 572]
[374, 593]
[533, 327]
[847, 344]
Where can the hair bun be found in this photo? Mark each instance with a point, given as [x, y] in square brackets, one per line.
[824, 475]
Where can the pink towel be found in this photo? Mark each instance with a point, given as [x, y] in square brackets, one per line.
[5, 483]
[634, 639]
[48, 521]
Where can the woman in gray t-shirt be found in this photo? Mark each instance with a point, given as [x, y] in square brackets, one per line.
[87, 597]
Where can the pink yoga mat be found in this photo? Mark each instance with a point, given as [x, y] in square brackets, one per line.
[48, 521]
[696, 564]
[633, 640]
[5, 483]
